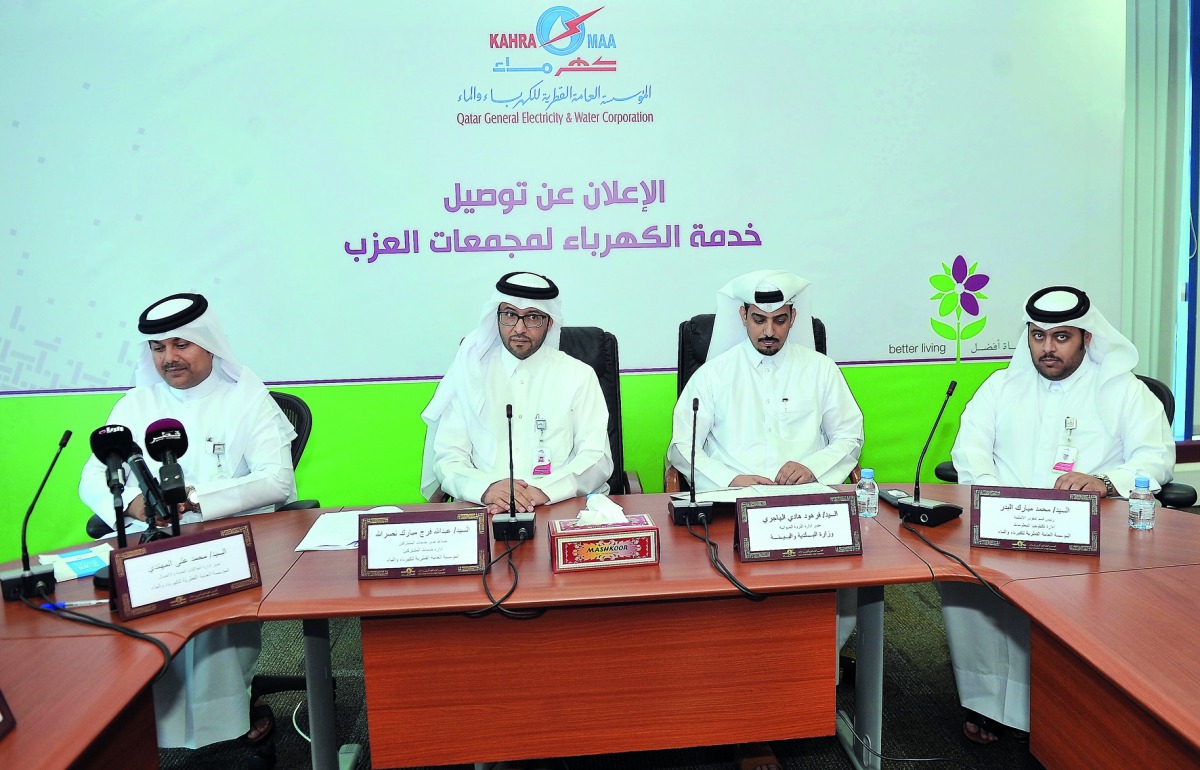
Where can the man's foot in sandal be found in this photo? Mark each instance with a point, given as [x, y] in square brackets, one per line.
[262, 723]
[979, 729]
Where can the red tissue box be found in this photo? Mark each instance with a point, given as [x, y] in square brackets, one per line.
[575, 546]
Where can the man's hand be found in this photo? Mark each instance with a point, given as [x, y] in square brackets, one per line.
[746, 480]
[1080, 481]
[495, 497]
[794, 473]
[137, 508]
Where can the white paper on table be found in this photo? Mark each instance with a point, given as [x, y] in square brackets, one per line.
[733, 494]
[338, 530]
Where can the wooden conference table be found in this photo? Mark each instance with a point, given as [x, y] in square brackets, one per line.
[1115, 646]
[645, 657]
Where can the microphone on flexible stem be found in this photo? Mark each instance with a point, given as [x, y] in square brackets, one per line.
[31, 582]
[929, 513]
[691, 512]
[514, 526]
[111, 444]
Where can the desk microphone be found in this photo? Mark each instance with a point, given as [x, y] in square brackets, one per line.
[514, 526]
[166, 442]
[929, 513]
[31, 582]
[691, 512]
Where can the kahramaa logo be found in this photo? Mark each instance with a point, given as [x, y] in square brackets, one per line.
[560, 30]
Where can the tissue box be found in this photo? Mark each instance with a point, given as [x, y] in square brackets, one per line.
[575, 546]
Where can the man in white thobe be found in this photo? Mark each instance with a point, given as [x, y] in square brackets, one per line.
[559, 417]
[1067, 413]
[238, 461]
[770, 408]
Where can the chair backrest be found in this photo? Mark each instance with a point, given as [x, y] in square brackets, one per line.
[300, 416]
[1162, 393]
[598, 349]
[695, 335]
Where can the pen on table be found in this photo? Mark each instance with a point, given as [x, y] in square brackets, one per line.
[64, 605]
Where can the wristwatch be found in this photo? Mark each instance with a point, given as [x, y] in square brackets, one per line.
[193, 499]
[1109, 489]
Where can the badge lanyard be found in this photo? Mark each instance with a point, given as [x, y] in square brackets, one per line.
[542, 465]
[1064, 458]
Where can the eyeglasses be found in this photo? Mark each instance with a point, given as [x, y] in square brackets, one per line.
[532, 320]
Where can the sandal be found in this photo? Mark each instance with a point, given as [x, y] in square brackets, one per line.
[260, 712]
[980, 730]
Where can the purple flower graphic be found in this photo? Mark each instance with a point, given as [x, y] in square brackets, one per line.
[959, 289]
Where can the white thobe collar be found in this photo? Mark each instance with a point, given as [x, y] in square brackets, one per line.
[209, 386]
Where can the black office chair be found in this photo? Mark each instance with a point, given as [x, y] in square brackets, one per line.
[598, 349]
[695, 336]
[1172, 495]
[298, 414]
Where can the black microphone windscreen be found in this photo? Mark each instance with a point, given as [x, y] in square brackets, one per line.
[66, 437]
[109, 439]
[166, 436]
[695, 404]
[508, 411]
[953, 385]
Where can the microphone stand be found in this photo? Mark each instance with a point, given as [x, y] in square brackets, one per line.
[32, 581]
[515, 526]
[930, 513]
[691, 512]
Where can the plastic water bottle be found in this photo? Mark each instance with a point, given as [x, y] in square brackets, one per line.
[1141, 505]
[867, 492]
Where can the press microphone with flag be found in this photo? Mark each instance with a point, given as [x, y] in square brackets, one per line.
[929, 513]
[691, 512]
[166, 442]
[30, 582]
[157, 507]
[514, 526]
[111, 444]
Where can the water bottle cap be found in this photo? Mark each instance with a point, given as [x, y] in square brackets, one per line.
[868, 473]
[1141, 482]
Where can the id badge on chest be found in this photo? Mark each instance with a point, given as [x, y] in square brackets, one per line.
[1067, 453]
[542, 462]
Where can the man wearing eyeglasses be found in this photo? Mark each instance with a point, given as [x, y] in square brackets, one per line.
[559, 417]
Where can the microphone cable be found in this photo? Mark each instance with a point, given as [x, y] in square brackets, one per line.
[719, 565]
[866, 745]
[497, 604]
[955, 557]
[79, 617]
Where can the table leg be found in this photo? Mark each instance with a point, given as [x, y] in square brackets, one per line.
[868, 684]
[318, 673]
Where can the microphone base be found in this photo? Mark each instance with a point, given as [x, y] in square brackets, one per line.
[683, 513]
[507, 527]
[30, 585]
[927, 513]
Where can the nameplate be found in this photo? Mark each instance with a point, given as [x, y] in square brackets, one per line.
[7, 722]
[433, 543]
[797, 527]
[178, 571]
[1041, 520]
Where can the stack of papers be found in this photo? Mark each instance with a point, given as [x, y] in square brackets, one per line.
[733, 494]
[338, 530]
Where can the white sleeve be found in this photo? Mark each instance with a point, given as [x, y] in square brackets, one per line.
[974, 447]
[271, 479]
[452, 464]
[1146, 438]
[842, 426]
[591, 460]
[710, 472]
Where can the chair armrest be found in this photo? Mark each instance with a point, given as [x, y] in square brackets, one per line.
[946, 472]
[439, 496]
[671, 479]
[856, 474]
[633, 483]
[97, 527]
[1176, 495]
[299, 505]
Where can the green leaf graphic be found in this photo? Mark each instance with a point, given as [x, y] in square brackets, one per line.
[945, 331]
[971, 329]
[948, 303]
[941, 283]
